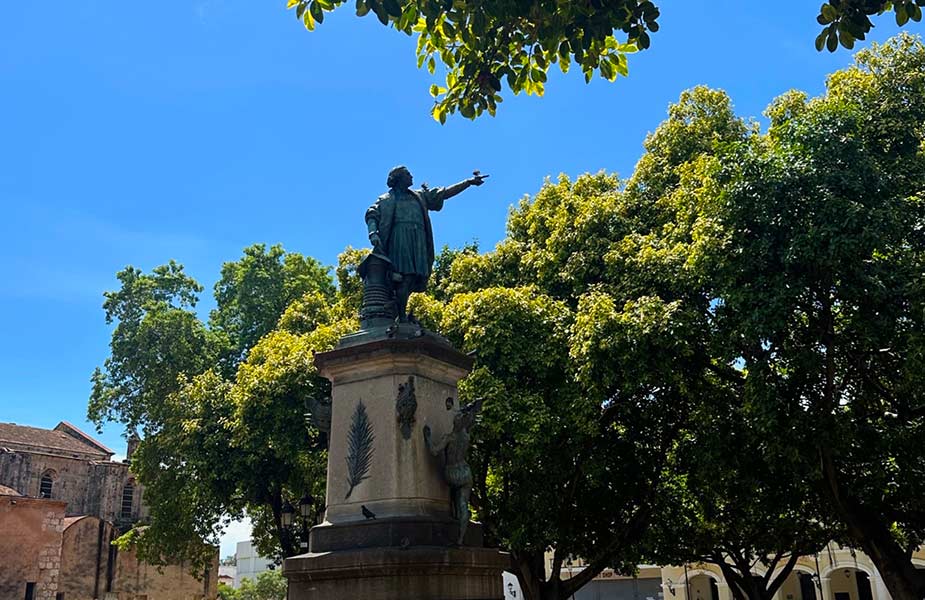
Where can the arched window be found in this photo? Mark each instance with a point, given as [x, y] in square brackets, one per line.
[46, 484]
[128, 495]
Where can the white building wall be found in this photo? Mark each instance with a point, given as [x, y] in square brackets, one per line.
[249, 563]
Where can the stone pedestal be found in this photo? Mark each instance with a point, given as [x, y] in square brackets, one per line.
[388, 531]
[418, 573]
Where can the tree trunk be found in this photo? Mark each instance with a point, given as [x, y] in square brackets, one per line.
[530, 575]
[902, 579]
[744, 585]
[530, 570]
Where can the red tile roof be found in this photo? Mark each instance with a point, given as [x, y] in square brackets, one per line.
[11, 433]
[73, 431]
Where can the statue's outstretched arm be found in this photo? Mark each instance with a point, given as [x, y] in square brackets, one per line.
[452, 190]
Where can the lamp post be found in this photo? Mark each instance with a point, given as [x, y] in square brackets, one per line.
[306, 505]
[285, 517]
[287, 514]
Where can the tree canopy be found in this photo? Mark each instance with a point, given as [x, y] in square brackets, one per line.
[485, 46]
[222, 405]
[771, 280]
[817, 311]
[268, 585]
[730, 343]
[822, 298]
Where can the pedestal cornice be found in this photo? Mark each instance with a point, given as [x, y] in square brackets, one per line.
[342, 363]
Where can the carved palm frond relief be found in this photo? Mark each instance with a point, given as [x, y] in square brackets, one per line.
[359, 448]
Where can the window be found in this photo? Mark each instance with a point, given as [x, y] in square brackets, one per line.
[46, 485]
[30, 590]
[128, 494]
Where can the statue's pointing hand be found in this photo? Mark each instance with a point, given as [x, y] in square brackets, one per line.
[477, 178]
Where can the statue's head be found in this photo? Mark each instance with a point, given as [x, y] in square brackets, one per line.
[399, 177]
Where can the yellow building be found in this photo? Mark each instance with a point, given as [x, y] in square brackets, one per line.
[836, 573]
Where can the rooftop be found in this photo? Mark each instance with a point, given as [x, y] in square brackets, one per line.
[52, 439]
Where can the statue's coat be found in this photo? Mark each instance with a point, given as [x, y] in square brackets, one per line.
[382, 214]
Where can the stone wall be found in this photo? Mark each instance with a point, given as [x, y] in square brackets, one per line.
[92, 567]
[135, 579]
[30, 546]
[88, 487]
[85, 555]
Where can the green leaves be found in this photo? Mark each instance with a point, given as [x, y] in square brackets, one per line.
[480, 46]
[814, 295]
[268, 585]
[222, 408]
[157, 337]
[255, 290]
[846, 21]
[311, 12]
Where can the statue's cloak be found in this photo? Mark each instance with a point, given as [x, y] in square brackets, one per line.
[381, 216]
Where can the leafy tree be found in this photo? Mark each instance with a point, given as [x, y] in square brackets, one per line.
[269, 585]
[484, 46]
[589, 324]
[349, 284]
[157, 337]
[751, 513]
[848, 20]
[254, 291]
[732, 503]
[270, 429]
[822, 297]
[810, 240]
[443, 264]
[223, 421]
[581, 407]
[226, 592]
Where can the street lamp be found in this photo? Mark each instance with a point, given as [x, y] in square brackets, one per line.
[306, 505]
[287, 514]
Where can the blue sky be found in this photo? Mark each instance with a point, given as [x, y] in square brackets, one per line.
[133, 133]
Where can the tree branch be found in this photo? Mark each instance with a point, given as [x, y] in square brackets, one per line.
[784, 574]
[635, 527]
[771, 566]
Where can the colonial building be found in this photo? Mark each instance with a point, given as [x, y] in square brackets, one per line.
[835, 573]
[63, 501]
[66, 464]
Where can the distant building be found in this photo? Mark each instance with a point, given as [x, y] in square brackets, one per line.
[62, 503]
[249, 563]
[226, 574]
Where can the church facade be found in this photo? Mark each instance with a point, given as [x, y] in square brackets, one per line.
[63, 500]
[66, 464]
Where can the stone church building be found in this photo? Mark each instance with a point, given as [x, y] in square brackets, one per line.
[63, 500]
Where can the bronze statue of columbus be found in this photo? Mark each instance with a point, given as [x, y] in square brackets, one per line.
[399, 228]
